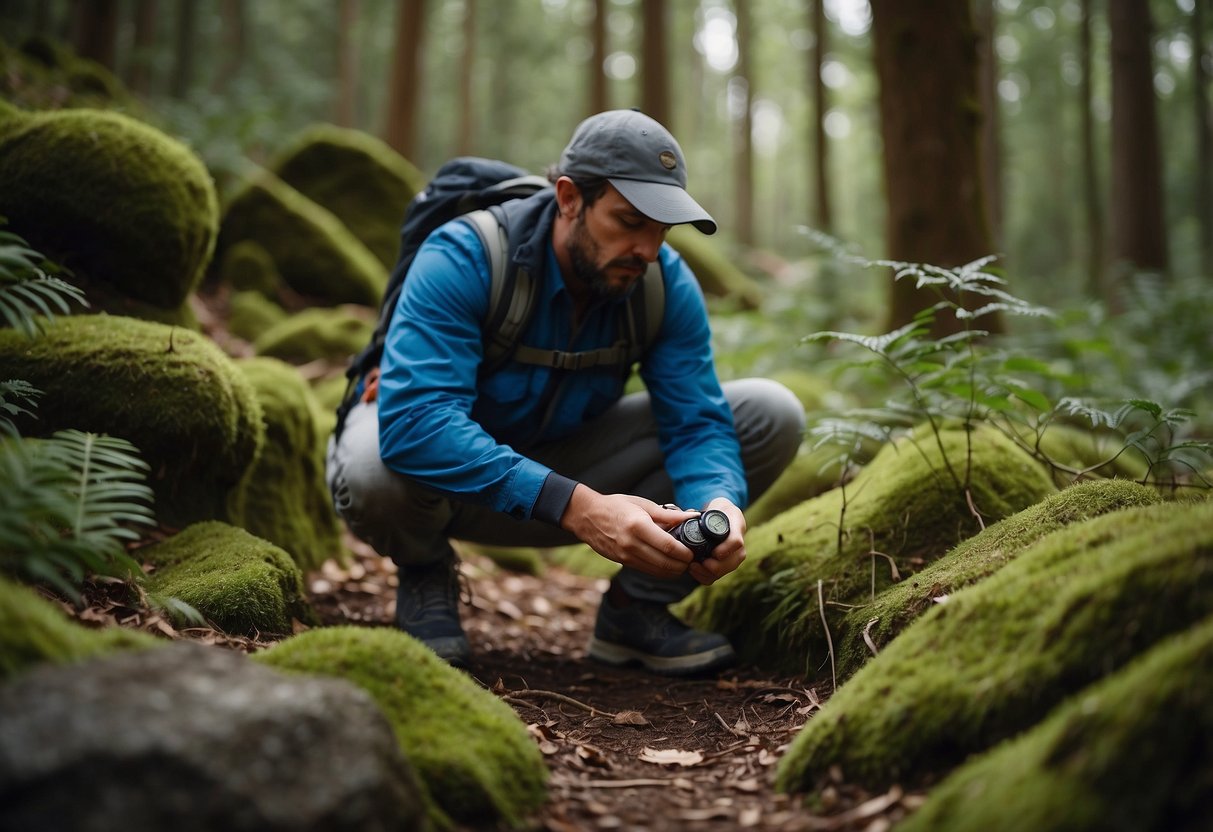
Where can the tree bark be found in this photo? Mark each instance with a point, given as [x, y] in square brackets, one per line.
[926, 62]
[1092, 201]
[655, 82]
[139, 67]
[1139, 239]
[991, 124]
[183, 68]
[232, 13]
[467, 65]
[822, 215]
[599, 100]
[1204, 162]
[346, 105]
[404, 86]
[743, 130]
[96, 31]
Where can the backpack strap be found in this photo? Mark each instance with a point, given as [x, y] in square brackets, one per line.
[511, 291]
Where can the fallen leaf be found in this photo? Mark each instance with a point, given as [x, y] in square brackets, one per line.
[630, 718]
[593, 756]
[671, 756]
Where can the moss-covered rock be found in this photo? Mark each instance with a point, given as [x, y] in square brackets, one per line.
[993, 660]
[284, 498]
[1132, 752]
[811, 473]
[469, 749]
[903, 509]
[315, 253]
[33, 631]
[240, 582]
[1070, 449]
[45, 74]
[252, 314]
[131, 211]
[172, 393]
[248, 267]
[975, 559]
[362, 180]
[717, 276]
[317, 333]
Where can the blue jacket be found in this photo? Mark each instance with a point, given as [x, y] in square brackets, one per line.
[446, 427]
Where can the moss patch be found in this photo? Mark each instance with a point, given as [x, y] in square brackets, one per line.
[33, 631]
[315, 253]
[1077, 449]
[357, 177]
[716, 273]
[470, 750]
[247, 266]
[989, 663]
[975, 559]
[172, 393]
[284, 498]
[810, 474]
[252, 314]
[44, 74]
[316, 333]
[240, 582]
[902, 505]
[119, 203]
[1128, 753]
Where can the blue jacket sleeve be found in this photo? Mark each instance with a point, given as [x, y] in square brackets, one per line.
[697, 435]
[428, 385]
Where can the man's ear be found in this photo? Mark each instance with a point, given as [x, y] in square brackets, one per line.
[568, 197]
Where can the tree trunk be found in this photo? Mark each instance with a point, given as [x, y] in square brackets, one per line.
[822, 215]
[139, 67]
[926, 62]
[1204, 164]
[467, 65]
[655, 81]
[743, 163]
[991, 125]
[183, 68]
[346, 106]
[1139, 239]
[1092, 202]
[599, 99]
[404, 86]
[96, 31]
[232, 13]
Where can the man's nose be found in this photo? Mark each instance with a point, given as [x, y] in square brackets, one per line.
[648, 243]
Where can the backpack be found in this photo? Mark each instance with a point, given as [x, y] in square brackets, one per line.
[470, 188]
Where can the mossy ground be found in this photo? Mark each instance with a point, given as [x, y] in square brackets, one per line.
[248, 267]
[172, 393]
[902, 505]
[1129, 753]
[251, 314]
[994, 659]
[974, 559]
[470, 750]
[1074, 448]
[360, 179]
[33, 631]
[284, 498]
[242, 583]
[116, 201]
[317, 333]
[317, 256]
[810, 474]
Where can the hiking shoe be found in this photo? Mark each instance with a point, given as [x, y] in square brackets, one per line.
[427, 608]
[648, 633]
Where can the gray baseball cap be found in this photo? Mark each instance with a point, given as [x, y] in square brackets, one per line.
[642, 160]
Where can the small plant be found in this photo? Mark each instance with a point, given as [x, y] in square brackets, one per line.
[28, 289]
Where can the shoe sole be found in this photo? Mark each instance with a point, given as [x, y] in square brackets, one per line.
[618, 656]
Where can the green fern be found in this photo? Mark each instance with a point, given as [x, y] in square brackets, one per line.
[29, 294]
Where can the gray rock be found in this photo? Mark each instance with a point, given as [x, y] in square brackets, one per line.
[186, 738]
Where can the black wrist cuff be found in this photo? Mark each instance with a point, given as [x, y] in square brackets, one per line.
[553, 498]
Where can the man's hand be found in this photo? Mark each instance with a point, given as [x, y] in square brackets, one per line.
[632, 531]
[729, 553]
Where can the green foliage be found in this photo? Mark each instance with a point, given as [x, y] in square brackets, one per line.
[27, 289]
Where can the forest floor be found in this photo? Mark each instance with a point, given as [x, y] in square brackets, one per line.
[626, 749]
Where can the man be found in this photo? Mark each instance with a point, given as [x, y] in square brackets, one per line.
[532, 455]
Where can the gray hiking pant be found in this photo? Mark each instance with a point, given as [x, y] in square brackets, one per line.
[618, 453]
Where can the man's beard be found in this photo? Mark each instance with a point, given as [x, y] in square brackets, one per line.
[583, 254]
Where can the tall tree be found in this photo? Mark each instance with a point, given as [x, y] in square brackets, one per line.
[598, 45]
[655, 69]
[822, 215]
[991, 123]
[139, 67]
[346, 105]
[742, 85]
[233, 24]
[467, 65]
[183, 66]
[404, 86]
[1139, 236]
[1092, 202]
[1204, 164]
[96, 31]
[926, 62]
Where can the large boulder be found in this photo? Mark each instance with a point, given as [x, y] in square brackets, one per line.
[976, 558]
[316, 255]
[237, 581]
[998, 655]
[194, 739]
[1132, 752]
[130, 211]
[317, 333]
[358, 177]
[172, 393]
[471, 752]
[284, 498]
[902, 511]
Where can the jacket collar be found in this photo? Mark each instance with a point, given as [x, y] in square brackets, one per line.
[529, 221]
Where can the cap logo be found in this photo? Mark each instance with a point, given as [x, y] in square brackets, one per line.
[668, 160]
